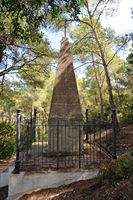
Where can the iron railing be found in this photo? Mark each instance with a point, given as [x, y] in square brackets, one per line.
[60, 144]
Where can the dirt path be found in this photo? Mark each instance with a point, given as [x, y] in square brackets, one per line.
[86, 190]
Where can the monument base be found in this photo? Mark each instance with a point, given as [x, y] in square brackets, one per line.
[65, 137]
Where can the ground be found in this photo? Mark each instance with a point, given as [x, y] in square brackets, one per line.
[125, 139]
[86, 190]
[5, 163]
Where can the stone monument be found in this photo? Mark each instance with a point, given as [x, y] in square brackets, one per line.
[65, 118]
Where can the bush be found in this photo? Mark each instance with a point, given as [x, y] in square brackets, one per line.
[126, 111]
[7, 140]
[120, 168]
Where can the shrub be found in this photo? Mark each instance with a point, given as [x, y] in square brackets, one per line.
[120, 168]
[7, 140]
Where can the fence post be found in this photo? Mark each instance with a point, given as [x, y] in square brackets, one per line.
[94, 130]
[33, 124]
[100, 134]
[27, 140]
[17, 161]
[87, 124]
[114, 132]
[79, 145]
[57, 144]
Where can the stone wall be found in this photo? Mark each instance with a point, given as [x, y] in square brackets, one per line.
[21, 183]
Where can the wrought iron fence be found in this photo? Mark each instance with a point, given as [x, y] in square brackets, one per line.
[60, 144]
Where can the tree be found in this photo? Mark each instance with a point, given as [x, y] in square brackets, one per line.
[22, 42]
[130, 63]
[26, 17]
[8, 101]
[99, 40]
[38, 89]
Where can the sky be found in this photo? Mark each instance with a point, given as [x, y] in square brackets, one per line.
[121, 22]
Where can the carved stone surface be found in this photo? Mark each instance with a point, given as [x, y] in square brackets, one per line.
[65, 105]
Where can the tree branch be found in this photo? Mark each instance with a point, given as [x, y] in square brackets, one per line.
[96, 7]
[118, 51]
[102, 11]
[14, 68]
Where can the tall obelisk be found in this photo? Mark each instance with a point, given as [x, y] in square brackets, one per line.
[65, 110]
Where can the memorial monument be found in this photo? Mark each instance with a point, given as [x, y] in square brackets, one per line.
[65, 118]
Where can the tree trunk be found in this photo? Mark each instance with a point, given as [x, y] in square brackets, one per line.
[99, 89]
[111, 98]
[101, 103]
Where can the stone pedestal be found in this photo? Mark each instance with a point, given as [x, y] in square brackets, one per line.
[65, 118]
[65, 137]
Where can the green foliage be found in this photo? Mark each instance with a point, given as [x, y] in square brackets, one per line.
[120, 168]
[20, 23]
[127, 110]
[26, 17]
[130, 64]
[7, 140]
